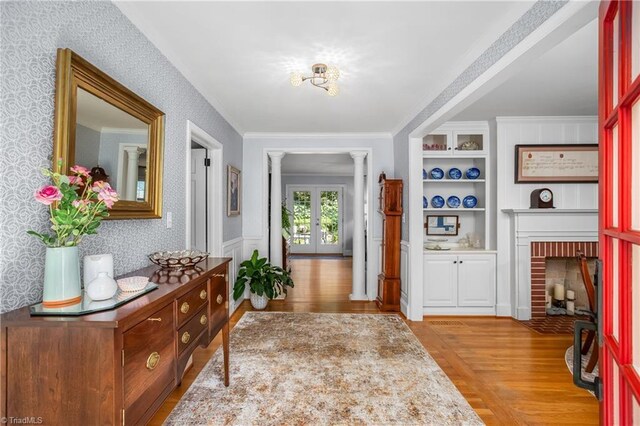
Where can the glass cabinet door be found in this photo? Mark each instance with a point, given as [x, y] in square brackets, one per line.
[437, 144]
[469, 143]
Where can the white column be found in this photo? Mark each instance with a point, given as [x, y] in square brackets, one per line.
[276, 208]
[358, 284]
[132, 173]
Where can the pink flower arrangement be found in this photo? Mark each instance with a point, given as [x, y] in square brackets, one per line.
[80, 205]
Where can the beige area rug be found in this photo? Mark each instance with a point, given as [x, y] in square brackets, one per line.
[323, 369]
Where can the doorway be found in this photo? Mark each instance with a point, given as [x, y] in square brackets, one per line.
[204, 201]
[317, 219]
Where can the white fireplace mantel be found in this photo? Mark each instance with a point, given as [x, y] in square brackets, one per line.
[530, 225]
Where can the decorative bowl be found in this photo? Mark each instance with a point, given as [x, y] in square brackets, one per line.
[469, 202]
[473, 173]
[455, 173]
[177, 259]
[425, 202]
[133, 283]
[437, 202]
[437, 173]
[453, 202]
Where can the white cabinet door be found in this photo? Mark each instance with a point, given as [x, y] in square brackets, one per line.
[440, 280]
[476, 280]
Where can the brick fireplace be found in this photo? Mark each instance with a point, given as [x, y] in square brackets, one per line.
[540, 251]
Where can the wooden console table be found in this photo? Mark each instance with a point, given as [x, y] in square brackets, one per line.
[117, 366]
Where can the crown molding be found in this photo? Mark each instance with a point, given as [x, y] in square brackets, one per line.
[346, 135]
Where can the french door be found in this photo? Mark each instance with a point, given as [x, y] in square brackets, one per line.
[619, 125]
[317, 218]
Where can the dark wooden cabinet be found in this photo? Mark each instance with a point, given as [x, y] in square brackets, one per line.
[390, 207]
[118, 366]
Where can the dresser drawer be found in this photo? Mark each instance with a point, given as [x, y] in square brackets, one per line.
[192, 330]
[191, 302]
[219, 308]
[149, 362]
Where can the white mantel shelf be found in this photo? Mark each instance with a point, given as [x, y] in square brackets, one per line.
[555, 211]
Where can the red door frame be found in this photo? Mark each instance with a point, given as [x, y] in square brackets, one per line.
[617, 351]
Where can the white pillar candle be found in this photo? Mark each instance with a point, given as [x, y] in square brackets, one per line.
[571, 295]
[548, 300]
[558, 292]
[570, 307]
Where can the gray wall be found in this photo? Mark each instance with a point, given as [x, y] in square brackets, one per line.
[87, 146]
[532, 19]
[347, 199]
[30, 33]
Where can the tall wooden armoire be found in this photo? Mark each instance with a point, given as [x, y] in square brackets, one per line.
[390, 207]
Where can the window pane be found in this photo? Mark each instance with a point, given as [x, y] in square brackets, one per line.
[616, 58]
[615, 171]
[635, 293]
[302, 217]
[635, 166]
[330, 216]
[615, 282]
[635, 43]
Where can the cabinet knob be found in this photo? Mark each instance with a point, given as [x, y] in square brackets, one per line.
[185, 337]
[203, 319]
[461, 261]
[184, 308]
[203, 294]
[153, 360]
[449, 148]
[219, 299]
[455, 261]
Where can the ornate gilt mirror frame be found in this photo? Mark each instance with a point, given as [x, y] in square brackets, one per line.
[73, 72]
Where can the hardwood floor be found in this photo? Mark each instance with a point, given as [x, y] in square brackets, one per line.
[509, 374]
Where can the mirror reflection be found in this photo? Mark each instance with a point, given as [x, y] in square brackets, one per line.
[113, 144]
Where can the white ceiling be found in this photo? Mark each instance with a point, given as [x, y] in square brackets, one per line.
[563, 81]
[317, 164]
[394, 56]
[99, 115]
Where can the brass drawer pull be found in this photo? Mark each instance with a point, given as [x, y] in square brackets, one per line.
[154, 319]
[203, 319]
[219, 299]
[185, 337]
[184, 308]
[203, 294]
[153, 360]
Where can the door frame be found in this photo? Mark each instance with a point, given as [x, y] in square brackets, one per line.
[316, 188]
[214, 185]
[372, 247]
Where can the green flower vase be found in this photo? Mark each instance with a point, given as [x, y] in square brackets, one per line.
[61, 277]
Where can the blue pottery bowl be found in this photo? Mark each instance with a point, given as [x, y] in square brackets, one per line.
[455, 173]
[437, 202]
[453, 202]
[473, 173]
[424, 174]
[425, 203]
[469, 202]
[437, 173]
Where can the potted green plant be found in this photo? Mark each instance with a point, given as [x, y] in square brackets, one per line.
[265, 281]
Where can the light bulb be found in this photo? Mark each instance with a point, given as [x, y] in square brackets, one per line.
[296, 79]
[332, 73]
[333, 89]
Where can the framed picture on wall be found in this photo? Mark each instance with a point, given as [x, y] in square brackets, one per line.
[442, 225]
[233, 191]
[556, 163]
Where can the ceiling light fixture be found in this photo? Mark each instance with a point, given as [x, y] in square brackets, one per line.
[323, 76]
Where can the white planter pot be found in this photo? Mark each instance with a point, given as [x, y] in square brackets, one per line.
[259, 302]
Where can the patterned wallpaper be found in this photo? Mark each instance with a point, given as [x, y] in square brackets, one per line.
[30, 33]
[532, 19]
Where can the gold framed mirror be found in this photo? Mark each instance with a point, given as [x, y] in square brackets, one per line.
[105, 127]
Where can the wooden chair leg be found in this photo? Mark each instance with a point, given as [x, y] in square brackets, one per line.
[588, 341]
[593, 360]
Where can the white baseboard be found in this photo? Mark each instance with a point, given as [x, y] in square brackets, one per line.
[523, 314]
[446, 310]
[347, 252]
[503, 310]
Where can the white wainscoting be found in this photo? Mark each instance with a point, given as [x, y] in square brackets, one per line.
[234, 250]
[512, 131]
[405, 277]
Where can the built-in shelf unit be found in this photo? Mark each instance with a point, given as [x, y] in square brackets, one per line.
[459, 279]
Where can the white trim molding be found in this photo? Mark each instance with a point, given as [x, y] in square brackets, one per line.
[233, 249]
